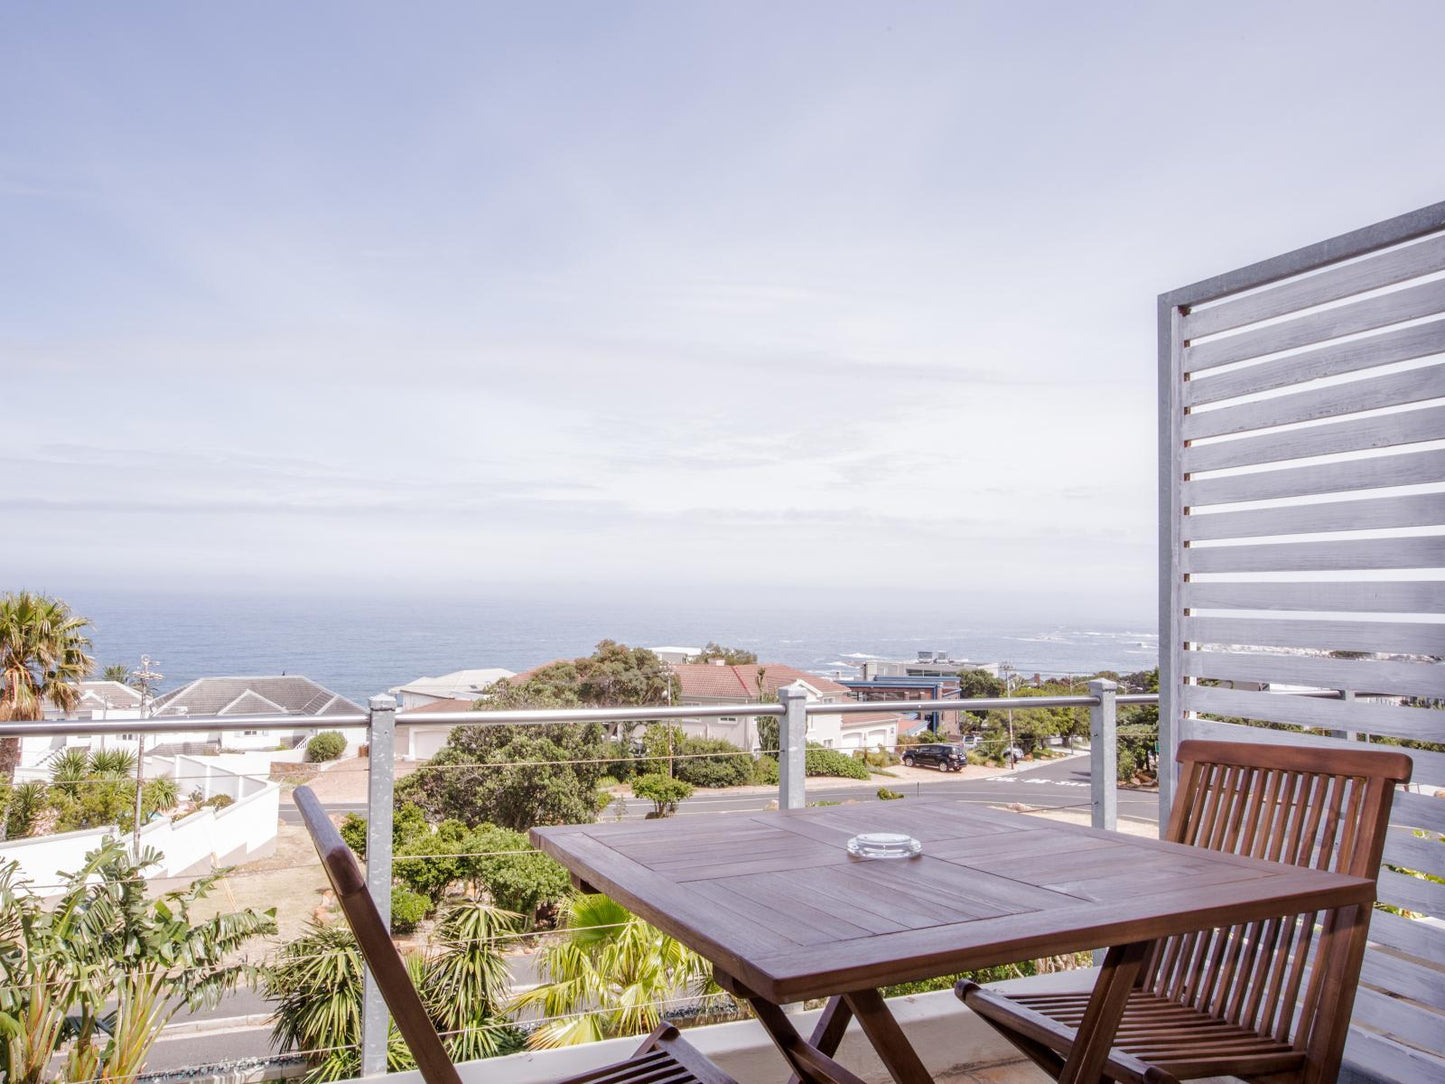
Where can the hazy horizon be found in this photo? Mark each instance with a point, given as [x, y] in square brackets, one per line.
[848, 303]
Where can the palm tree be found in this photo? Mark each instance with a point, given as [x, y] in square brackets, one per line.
[118, 672]
[42, 658]
[609, 974]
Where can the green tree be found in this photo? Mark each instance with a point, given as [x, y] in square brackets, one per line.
[608, 974]
[116, 671]
[42, 658]
[663, 791]
[516, 877]
[514, 776]
[979, 684]
[731, 656]
[102, 970]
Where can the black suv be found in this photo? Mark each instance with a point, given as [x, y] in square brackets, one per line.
[947, 758]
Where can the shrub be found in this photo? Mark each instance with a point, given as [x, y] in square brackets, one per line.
[765, 772]
[26, 802]
[886, 795]
[327, 745]
[663, 791]
[218, 801]
[112, 762]
[713, 762]
[520, 879]
[408, 908]
[620, 763]
[353, 831]
[1128, 767]
[820, 761]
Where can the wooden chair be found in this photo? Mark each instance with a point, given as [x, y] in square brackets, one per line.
[1267, 1001]
[664, 1057]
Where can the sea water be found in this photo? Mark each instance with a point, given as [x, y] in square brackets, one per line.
[360, 646]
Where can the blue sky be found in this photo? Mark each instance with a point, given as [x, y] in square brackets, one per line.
[704, 297]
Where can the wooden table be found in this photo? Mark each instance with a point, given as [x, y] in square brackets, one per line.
[784, 913]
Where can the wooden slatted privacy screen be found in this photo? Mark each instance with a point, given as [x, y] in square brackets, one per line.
[1302, 556]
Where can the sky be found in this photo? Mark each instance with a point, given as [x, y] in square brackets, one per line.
[682, 299]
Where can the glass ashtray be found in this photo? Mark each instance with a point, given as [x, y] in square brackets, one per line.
[884, 845]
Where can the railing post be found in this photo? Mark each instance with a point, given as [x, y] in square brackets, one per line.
[792, 747]
[380, 771]
[1104, 755]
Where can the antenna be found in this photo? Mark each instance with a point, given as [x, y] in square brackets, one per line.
[144, 679]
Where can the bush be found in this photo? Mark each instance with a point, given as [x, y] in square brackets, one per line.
[218, 801]
[886, 795]
[765, 772]
[327, 745]
[1127, 765]
[713, 762]
[520, 879]
[353, 831]
[820, 761]
[408, 908]
[663, 791]
[620, 763]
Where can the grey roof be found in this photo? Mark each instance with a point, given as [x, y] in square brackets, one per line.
[284, 695]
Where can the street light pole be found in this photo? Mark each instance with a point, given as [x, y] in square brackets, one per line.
[143, 679]
[1008, 687]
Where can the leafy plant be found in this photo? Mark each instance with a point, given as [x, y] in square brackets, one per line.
[606, 976]
[765, 772]
[327, 745]
[408, 908]
[26, 802]
[712, 762]
[106, 966]
[886, 795]
[821, 761]
[663, 791]
[518, 879]
[112, 762]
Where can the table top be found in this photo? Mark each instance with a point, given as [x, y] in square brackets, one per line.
[775, 901]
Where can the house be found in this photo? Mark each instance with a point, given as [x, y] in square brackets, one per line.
[422, 741]
[298, 705]
[673, 654]
[458, 685]
[97, 700]
[719, 683]
[912, 688]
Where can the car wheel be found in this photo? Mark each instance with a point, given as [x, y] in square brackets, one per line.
[908, 762]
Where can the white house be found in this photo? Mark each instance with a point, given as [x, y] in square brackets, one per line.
[98, 700]
[298, 705]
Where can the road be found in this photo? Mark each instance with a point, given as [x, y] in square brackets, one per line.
[234, 1030]
[1054, 784]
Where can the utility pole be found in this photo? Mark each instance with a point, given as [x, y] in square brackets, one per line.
[143, 679]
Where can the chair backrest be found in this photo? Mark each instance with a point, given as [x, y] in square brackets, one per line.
[1325, 808]
[375, 943]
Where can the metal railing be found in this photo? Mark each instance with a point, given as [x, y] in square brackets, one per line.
[792, 710]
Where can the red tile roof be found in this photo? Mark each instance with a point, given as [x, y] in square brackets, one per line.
[451, 703]
[706, 681]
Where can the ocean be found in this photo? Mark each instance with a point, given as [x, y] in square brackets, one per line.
[358, 647]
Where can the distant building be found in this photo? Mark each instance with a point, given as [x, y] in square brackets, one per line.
[458, 685]
[912, 688]
[676, 654]
[298, 705]
[926, 664]
[719, 683]
[293, 701]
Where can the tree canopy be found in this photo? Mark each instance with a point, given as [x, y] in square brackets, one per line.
[732, 656]
[42, 657]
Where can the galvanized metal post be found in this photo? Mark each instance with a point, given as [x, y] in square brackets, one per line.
[381, 764]
[792, 746]
[1104, 755]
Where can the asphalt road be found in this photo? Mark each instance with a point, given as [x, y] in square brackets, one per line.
[1054, 784]
[232, 1031]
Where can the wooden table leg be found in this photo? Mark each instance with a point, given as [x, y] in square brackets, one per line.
[891, 1045]
[811, 1065]
[828, 1032]
[1102, 1015]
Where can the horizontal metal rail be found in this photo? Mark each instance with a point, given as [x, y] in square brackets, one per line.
[176, 724]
